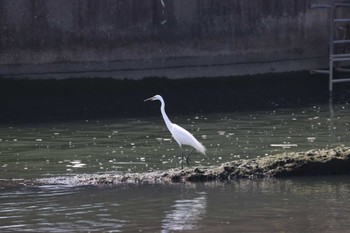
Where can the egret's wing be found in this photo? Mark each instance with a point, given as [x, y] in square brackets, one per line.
[183, 137]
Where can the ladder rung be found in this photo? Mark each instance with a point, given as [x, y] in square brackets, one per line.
[342, 69]
[341, 41]
[327, 71]
[341, 80]
[340, 57]
[341, 20]
[321, 71]
[342, 4]
[329, 5]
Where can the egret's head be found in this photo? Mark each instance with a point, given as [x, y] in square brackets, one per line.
[156, 97]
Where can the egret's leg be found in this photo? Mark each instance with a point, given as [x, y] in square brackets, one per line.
[188, 157]
[182, 160]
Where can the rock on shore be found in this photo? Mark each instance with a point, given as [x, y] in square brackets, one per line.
[314, 162]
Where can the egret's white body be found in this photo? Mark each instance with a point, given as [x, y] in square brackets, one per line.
[181, 136]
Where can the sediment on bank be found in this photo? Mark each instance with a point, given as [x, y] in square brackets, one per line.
[334, 161]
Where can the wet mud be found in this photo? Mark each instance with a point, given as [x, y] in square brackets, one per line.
[335, 161]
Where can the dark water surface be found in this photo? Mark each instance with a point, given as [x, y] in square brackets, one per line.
[316, 204]
[139, 145]
[144, 144]
[32, 145]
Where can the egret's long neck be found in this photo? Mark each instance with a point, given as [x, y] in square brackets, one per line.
[165, 117]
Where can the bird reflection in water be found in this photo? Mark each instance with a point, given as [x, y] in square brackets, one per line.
[185, 214]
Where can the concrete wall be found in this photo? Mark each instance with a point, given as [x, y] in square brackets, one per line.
[175, 38]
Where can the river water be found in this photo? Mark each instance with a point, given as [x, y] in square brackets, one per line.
[312, 204]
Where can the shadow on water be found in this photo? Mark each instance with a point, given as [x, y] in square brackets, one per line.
[47, 100]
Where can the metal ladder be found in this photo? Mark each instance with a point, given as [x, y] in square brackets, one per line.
[334, 57]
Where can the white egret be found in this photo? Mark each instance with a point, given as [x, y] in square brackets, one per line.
[181, 136]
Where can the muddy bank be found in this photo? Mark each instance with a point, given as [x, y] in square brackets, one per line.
[314, 162]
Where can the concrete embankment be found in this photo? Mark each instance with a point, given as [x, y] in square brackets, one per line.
[314, 162]
[177, 39]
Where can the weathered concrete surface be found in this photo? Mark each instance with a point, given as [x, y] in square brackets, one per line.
[314, 162]
[173, 38]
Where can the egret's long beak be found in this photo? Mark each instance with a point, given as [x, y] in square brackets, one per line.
[148, 99]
